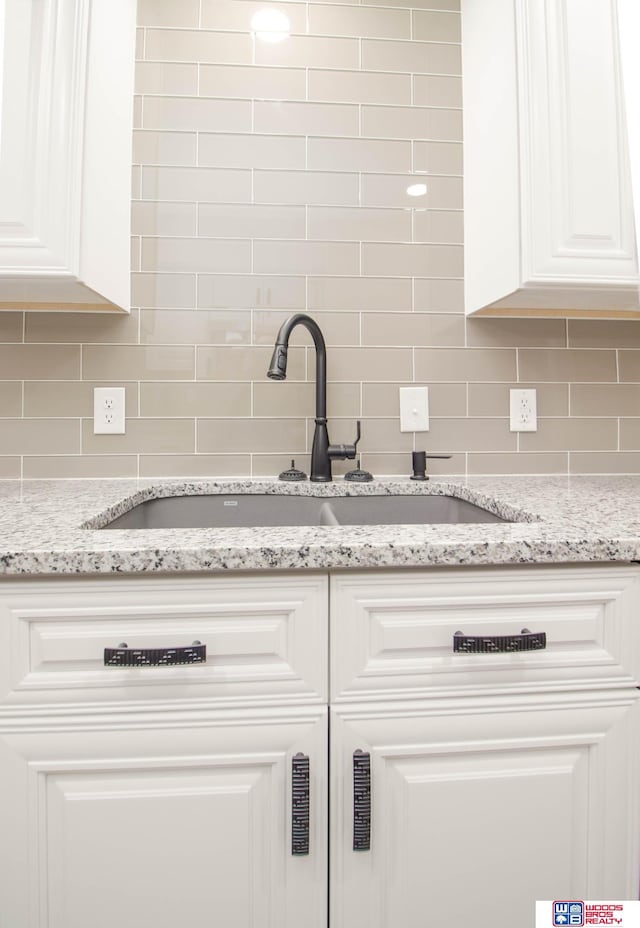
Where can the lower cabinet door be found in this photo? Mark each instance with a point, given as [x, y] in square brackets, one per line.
[137, 824]
[478, 811]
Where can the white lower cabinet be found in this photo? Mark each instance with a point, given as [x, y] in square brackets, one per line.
[479, 810]
[161, 822]
[156, 797]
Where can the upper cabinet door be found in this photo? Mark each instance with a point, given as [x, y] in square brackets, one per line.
[549, 224]
[66, 105]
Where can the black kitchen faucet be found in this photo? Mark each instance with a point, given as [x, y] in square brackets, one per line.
[322, 451]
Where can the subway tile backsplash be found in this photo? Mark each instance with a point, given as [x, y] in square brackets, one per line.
[272, 178]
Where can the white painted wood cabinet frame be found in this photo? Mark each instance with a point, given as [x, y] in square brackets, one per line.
[158, 796]
[66, 80]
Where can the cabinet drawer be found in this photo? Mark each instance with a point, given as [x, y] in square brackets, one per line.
[393, 632]
[265, 638]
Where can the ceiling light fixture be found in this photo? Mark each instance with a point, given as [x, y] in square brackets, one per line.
[270, 25]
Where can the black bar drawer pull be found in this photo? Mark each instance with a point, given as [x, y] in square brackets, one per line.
[299, 805]
[124, 656]
[499, 644]
[361, 801]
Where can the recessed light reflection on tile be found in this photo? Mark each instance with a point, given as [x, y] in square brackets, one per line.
[270, 25]
[417, 190]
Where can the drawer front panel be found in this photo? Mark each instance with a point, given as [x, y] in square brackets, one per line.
[394, 633]
[265, 638]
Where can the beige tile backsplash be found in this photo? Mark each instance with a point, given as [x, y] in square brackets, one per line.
[269, 179]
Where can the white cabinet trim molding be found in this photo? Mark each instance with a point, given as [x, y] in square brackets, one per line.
[65, 154]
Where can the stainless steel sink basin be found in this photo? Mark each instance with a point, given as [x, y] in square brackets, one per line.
[246, 510]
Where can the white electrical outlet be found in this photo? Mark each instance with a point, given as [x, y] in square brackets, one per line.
[414, 409]
[108, 411]
[523, 412]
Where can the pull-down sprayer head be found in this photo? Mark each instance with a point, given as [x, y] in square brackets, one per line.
[278, 367]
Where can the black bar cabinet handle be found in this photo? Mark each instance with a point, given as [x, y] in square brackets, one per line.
[499, 644]
[124, 656]
[300, 791]
[361, 801]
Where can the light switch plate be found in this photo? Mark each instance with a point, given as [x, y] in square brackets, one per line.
[414, 409]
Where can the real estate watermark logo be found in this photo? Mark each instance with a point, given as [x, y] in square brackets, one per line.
[568, 912]
[581, 913]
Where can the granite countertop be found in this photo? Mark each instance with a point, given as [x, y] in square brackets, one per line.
[559, 520]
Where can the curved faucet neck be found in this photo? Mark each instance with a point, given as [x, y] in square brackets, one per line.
[321, 356]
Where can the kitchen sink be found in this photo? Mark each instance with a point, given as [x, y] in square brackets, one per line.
[252, 510]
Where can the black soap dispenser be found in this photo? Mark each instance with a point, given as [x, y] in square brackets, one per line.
[419, 463]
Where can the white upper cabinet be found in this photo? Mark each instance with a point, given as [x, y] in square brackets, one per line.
[549, 220]
[66, 104]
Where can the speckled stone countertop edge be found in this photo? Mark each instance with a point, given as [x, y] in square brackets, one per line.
[558, 520]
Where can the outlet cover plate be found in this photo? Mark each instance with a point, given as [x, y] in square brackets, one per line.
[108, 411]
[523, 411]
[414, 409]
